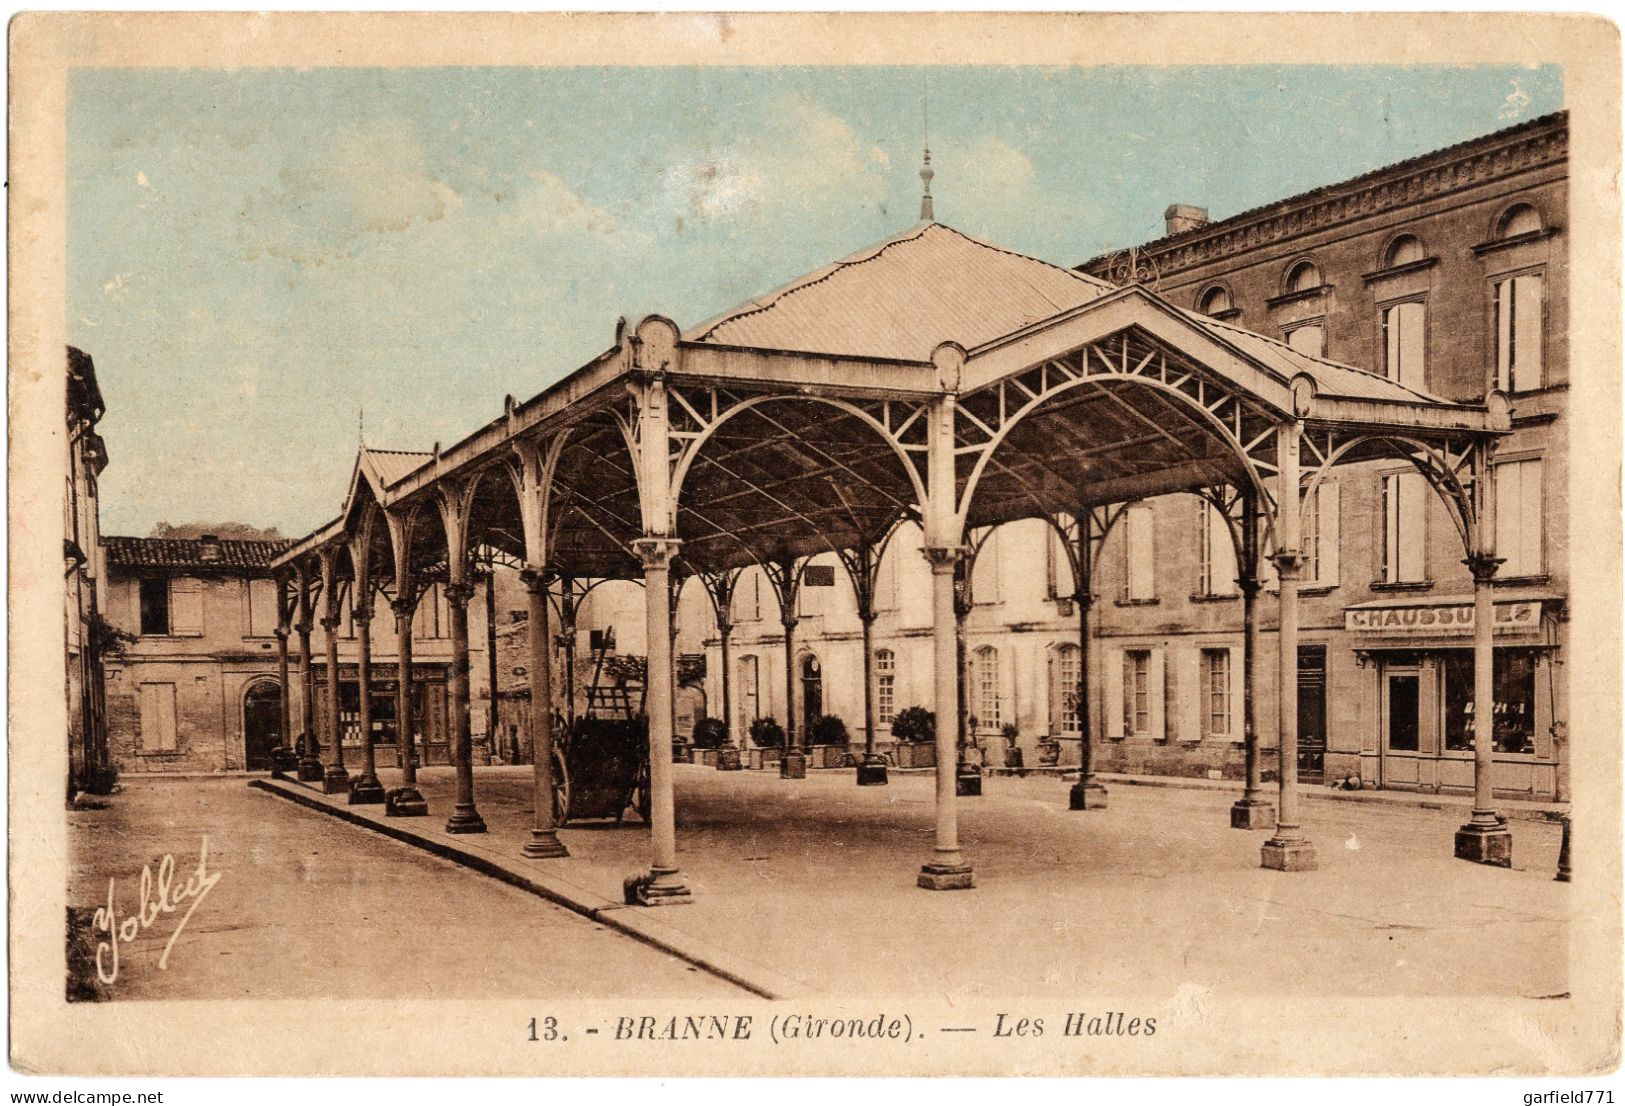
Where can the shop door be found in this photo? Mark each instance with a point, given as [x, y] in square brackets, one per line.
[1312, 713]
[262, 724]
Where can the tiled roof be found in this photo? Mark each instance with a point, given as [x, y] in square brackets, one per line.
[901, 298]
[188, 553]
[394, 464]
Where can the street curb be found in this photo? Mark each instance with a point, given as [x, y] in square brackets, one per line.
[1553, 813]
[758, 979]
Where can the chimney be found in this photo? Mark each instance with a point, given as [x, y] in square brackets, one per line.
[210, 547]
[1183, 217]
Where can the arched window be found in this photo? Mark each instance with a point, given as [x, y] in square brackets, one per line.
[1216, 301]
[1063, 695]
[885, 686]
[985, 681]
[1404, 250]
[1518, 219]
[1303, 277]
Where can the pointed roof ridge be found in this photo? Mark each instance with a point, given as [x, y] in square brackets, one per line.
[756, 305]
[760, 305]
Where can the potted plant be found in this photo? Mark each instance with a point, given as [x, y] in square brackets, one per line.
[768, 737]
[1012, 751]
[829, 739]
[915, 729]
[711, 738]
[707, 738]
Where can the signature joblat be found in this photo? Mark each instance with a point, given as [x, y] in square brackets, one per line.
[158, 897]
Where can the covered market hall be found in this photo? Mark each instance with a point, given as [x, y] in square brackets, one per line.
[934, 379]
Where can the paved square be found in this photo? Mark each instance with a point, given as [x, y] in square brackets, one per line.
[815, 880]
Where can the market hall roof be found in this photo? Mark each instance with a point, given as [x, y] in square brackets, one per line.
[927, 312]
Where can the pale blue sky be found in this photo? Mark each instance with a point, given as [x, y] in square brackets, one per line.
[256, 255]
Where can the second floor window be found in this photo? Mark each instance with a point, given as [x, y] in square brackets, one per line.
[1519, 518]
[1518, 354]
[1139, 569]
[155, 607]
[1320, 535]
[1404, 528]
[1218, 568]
[1309, 339]
[1404, 338]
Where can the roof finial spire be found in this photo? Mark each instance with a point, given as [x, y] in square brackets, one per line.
[927, 215]
[361, 427]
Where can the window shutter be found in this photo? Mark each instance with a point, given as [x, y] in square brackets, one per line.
[1503, 335]
[1526, 321]
[1112, 687]
[1186, 693]
[186, 607]
[1413, 495]
[262, 612]
[1238, 709]
[1157, 687]
[1328, 515]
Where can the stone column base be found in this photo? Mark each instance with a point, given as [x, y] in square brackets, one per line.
[1485, 844]
[1252, 814]
[872, 771]
[544, 845]
[947, 877]
[967, 780]
[465, 820]
[404, 802]
[1288, 856]
[335, 780]
[365, 790]
[1086, 796]
[728, 759]
[792, 766]
[657, 888]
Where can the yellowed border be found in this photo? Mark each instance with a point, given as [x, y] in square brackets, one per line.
[1222, 1037]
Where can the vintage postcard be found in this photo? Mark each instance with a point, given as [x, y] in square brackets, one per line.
[814, 545]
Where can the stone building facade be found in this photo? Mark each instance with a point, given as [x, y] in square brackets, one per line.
[197, 691]
[1448, 273]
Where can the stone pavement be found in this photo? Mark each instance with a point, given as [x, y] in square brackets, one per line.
[306, 907]
[808, 886]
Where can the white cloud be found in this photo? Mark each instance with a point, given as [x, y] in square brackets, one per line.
[383, 176]
[548, 206]
[805, 157]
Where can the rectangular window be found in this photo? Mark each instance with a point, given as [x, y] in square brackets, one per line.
[155, 608]
[262, 607]
[1138, 569]
[985, 571]
[885, 687]
[1320, 536]
[1518, 334]
[747, 596]
[1404, 339]
[1309, 339]
[986, 682]
[1066, 690]
[1519, 518]
[1514, 707]
[1137, 692]
[886, 579]
[158, 718]
[1404, 528]
[1218, 552]
[1216, 692]
[1057, 566]
[750, 703]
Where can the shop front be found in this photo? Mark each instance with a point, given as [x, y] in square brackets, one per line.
[1418, 660]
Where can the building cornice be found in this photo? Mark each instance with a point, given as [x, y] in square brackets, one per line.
[1538, 144]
